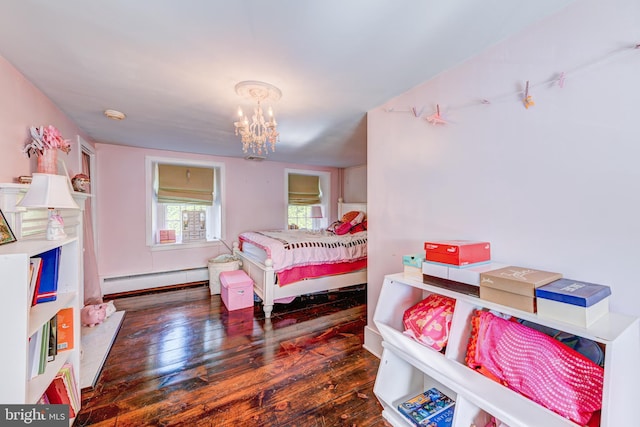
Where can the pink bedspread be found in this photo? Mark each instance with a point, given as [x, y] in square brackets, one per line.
[296, 248]
[295, 274]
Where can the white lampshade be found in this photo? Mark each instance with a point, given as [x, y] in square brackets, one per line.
[50, 192]
[316, 212]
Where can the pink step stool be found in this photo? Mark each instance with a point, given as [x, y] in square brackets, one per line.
[236, 289]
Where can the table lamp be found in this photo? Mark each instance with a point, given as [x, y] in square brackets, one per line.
[316, 212]
[50, 192]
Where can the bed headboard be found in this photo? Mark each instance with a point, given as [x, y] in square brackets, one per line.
[344, 207]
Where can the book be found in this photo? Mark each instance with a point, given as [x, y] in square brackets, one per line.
[65, 329]
[53, 341]
[43, 351]
[35, 272]
[35, 342]
[72, 386]
[69, 383]
[47, 289]
[431, 408]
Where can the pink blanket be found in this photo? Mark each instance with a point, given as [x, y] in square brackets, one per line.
[537, 366]
[295, 248]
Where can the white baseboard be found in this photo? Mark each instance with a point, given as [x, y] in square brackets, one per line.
[372, 341]
[137, 282]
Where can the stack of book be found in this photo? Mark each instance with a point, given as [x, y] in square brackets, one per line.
[43, 347]
[431, 408]
[63, 390]
[43, 281]
[167, 236]
[54, 336]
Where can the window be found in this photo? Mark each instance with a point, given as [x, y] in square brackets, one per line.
[307, 199]
[174, 216]
[184, 201]
[300, 217]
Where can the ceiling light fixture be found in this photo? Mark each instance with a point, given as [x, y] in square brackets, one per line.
[114, 114]
[255, 134]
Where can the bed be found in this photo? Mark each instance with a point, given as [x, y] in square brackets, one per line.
[279, 275]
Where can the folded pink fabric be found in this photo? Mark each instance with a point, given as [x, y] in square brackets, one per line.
[537, 366]
[429, 321]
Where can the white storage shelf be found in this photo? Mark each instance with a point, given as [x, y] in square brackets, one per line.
[20, 318]
[408, 368]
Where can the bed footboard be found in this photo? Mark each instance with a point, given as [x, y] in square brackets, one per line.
[264, 281]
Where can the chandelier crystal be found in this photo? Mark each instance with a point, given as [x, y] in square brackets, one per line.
[257, 134]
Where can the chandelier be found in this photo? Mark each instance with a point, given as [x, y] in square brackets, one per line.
[256, 134]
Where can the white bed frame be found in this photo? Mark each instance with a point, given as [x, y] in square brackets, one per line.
[264, 276]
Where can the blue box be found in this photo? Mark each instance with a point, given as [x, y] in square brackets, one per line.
[413, 260]
[574, 292]
[442, 419]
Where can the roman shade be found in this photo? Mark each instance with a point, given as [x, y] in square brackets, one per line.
[185, 184]
[304, 189]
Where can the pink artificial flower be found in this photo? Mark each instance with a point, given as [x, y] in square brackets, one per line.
[46, 138]
[54, 139]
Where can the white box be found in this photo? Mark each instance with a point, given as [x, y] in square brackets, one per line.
[471, 275]
[413, 272]
[437, 270]
[574, 314]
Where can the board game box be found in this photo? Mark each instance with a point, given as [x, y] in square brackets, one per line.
[431, 408]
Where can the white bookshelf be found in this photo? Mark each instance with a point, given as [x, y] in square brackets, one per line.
[408, 368]
[21, 320]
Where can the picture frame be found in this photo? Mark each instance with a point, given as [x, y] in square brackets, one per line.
[6, 234]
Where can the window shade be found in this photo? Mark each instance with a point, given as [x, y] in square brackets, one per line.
[185, 184]
[304, 189]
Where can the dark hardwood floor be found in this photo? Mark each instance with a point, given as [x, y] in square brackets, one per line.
[181, 358]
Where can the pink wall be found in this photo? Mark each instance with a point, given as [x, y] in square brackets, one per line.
[23, 105]
[554, 187]
[354, 186]
[254, 195]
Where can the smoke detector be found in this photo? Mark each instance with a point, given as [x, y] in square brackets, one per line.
[114, 114]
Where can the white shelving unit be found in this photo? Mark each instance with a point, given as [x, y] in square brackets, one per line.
[20, 320]
[408, 368]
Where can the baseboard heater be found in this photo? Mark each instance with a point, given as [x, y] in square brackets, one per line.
[137, 282]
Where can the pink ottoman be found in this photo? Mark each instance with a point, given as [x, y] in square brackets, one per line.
[236, 289]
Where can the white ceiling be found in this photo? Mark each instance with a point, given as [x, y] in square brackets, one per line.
[171, 65]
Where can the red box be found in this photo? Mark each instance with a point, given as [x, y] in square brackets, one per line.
[236, 289]
[458, 252]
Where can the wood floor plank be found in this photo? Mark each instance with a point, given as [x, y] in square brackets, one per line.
[232, 356]
[181, 358]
